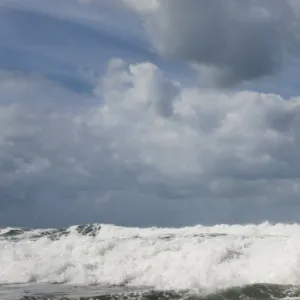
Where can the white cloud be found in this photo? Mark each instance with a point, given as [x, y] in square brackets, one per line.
[144, 145]
[197, 131]
[143, 6]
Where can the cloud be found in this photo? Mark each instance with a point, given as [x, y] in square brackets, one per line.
[202, 130]
[144, 150]
[241, 39]
[140, 143]
[143, 5]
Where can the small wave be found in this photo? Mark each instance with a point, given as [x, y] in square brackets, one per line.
[52, 234]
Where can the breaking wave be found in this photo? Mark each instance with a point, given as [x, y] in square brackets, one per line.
[219, 262]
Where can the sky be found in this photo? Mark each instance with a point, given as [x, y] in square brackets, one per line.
[149, 112]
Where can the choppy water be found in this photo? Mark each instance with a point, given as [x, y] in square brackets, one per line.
[61, 292]
[99, 261]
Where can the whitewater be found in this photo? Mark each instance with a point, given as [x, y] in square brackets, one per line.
[199, 259]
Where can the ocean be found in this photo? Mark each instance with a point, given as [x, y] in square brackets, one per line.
[98, 261]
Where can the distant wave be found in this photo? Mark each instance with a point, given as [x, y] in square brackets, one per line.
[249, 292]
[220, 259]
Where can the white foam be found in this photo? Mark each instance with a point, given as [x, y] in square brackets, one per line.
[194, 257]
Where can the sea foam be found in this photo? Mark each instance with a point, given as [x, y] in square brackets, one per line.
[162, 258]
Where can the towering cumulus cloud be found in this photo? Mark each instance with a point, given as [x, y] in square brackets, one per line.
[238, 39]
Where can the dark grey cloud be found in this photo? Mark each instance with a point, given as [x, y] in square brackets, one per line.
[240, 39]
